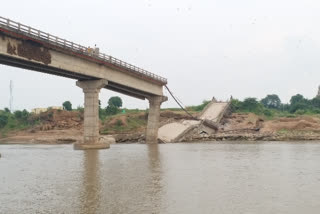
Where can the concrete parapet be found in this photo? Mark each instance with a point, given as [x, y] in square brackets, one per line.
[91, 89]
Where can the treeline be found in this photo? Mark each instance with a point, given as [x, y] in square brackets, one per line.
[16, 120]
[272, 104]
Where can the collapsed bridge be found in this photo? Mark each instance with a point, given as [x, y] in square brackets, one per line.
[207, 121]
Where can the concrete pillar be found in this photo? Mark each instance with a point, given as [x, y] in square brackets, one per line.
[91, 137]
[153, 118]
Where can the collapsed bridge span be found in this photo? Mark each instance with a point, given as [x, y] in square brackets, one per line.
[207, 121]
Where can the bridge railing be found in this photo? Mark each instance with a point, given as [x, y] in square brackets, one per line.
[65, 44]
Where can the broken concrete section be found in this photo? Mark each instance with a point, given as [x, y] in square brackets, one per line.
[214, 111]
[208, 122]
[172, 132]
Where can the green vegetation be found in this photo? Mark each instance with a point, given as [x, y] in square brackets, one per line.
[14, 121]
[271, 106]
[67, 106]
[124, 124]
[271, 101]
[117, 119]
[200, 107]
[113, 108]
[115, 101]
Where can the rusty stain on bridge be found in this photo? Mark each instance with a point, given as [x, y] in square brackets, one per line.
[31, 51]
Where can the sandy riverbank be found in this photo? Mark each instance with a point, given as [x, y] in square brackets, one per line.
[67, 128]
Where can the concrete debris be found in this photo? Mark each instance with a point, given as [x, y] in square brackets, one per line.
[208, 122]
[172, 132]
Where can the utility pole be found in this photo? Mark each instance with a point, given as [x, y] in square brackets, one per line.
[11, 96]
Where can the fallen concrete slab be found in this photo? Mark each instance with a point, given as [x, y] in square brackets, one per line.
[172, 132]
[214, 111]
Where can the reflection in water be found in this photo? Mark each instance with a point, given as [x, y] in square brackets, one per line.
[132, 180]
[155, 178]
[90, 196]
[168, 178]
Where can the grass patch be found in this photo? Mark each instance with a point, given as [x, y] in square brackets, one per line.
[124, 123]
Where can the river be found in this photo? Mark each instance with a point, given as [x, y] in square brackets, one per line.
[278, 177]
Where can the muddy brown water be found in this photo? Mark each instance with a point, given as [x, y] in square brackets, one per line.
[168, 178]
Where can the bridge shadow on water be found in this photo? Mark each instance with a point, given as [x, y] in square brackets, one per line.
[90, 197]
[130, 182]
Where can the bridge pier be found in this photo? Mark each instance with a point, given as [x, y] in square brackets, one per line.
[153, 118]
[91, 136]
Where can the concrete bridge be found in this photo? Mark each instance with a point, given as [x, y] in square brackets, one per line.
[25, 47]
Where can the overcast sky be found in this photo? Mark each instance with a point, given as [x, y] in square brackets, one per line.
[247, 48]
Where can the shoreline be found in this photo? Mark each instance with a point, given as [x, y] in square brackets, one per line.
[235, 127]
[58, 139]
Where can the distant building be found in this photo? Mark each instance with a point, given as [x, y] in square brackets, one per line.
[40, 110]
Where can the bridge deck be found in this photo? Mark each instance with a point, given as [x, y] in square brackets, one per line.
[9, 26]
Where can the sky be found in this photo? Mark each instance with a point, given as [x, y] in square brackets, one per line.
[205, 48]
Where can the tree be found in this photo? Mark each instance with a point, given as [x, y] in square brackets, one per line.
[21, 115]
[271, 101]
[114, 104]
[298, 98]
[18, 114]
[316, 102]
[7, 110]
[3, 120]
[25, 115]
[115, 101]
[298, 102]
[250, 104]
[67, 106]
[298, 106]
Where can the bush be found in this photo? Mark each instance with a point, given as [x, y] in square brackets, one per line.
[80, 109]
[235, 105]
[119, 123]
[111, 110]
[316, 111]
[199, 107]
[267, 112]
[300, 111]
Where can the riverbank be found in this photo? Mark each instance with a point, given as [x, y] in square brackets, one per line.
[66, 128]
